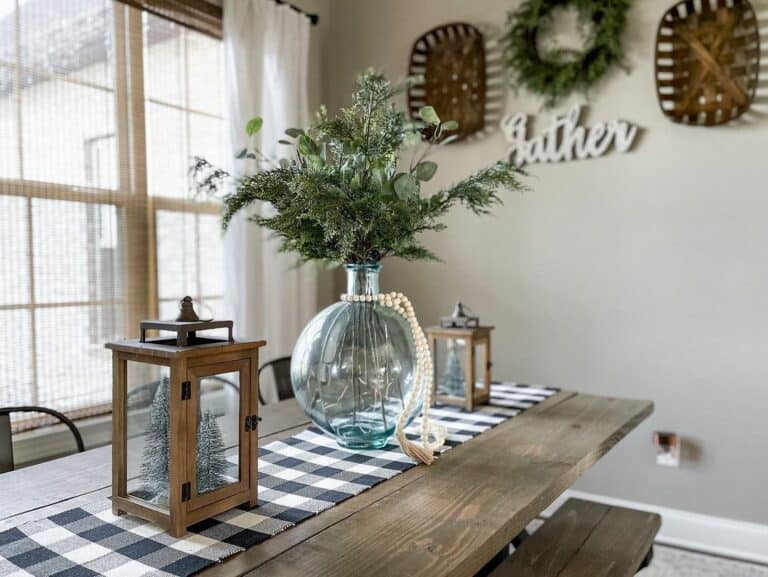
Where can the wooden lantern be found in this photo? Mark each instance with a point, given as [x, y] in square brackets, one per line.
[466, 343]
[199, 404]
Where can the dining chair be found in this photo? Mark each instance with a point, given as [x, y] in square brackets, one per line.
[6, 442]
[143, 395]
[281, 375]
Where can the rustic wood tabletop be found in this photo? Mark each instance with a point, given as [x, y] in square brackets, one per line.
[447, 520]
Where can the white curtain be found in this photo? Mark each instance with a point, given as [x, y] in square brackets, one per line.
[267, 61]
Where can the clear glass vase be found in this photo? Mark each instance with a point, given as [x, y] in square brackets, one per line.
[353, 366]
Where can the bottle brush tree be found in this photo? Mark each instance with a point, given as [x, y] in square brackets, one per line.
[211, 463]
[154, 462]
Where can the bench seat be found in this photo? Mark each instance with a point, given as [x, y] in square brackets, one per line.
[585, 539]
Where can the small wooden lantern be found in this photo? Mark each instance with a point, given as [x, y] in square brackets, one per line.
[455, 377]
[185, 420]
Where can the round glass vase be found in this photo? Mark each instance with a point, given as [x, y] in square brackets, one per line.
[353, 366]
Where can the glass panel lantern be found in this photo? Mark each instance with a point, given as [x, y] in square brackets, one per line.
[461, 349]
[185, 420]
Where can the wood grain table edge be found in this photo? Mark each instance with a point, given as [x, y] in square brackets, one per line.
[516, 524]
[247, 561]
[336, 549]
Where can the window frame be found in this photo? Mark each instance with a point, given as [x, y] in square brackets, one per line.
[136, 208]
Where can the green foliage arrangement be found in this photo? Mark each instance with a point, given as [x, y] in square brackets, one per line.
[563, 72]
[343, 196]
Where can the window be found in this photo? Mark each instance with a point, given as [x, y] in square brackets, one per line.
[101, 109]
[183, 79]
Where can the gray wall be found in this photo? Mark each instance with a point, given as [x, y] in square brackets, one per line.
[637, 275]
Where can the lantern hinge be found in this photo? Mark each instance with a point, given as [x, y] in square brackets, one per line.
[186, 390]
[186, 491]
[252, 422]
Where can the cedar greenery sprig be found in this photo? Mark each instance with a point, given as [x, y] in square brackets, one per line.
[558, 75]
[341, 197]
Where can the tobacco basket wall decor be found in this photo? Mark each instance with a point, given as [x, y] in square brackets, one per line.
[458, 78]
[707, 61]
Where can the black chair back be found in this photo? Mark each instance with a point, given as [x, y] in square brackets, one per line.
[143, 395]
[281, 375]
[6, 443]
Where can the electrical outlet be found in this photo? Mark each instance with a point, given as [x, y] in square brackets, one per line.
[667, 448]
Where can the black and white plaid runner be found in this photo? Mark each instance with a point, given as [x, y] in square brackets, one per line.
[298, 477]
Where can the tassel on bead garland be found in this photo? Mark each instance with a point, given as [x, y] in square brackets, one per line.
[427, 449]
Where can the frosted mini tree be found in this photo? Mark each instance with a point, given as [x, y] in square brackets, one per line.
[154, 465]
[452, 380]
[211, 462]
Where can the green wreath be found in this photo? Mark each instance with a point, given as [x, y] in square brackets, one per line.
[556, 78]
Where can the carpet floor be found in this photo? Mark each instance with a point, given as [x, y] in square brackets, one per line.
[670, 562]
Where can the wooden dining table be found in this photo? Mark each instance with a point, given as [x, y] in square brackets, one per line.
[448, 519]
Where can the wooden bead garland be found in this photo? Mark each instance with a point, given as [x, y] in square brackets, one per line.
[423, 375]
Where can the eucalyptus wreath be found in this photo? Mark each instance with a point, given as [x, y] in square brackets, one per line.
[564, 71]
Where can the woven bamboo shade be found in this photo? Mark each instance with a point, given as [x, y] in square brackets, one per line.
[199, 15]
[707, 61]
[451, 58]
[101, 107]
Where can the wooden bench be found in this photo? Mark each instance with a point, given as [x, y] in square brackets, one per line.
[585, 539]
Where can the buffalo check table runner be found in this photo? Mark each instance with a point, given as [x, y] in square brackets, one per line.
[299, 477]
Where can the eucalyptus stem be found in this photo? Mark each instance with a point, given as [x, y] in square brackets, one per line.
[340, 198]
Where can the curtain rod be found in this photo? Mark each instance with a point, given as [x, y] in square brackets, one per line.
[313, 18]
